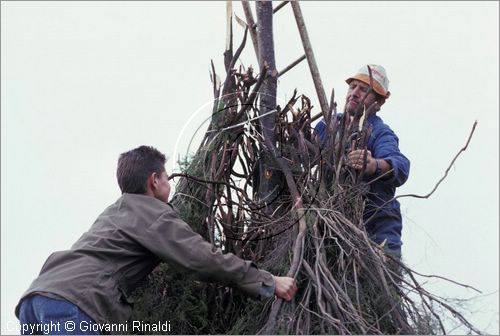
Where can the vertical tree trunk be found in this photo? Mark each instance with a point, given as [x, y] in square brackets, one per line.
[268, 179]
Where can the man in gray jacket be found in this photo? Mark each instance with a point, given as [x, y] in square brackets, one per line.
[89, 284]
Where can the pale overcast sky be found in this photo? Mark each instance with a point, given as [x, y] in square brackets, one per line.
[82, 82]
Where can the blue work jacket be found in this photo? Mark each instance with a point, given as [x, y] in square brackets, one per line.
[382, 213]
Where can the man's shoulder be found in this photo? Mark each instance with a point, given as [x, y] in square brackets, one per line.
[379, 126]
[336, 116]
[319, 127]
[133, 207]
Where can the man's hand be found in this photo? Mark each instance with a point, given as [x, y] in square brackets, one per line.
[285, 287]
[355, 160]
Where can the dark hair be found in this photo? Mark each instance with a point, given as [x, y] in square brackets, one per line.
[136, 165]
[379, 98]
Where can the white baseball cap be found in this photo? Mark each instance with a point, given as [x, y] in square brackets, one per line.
[380, 80]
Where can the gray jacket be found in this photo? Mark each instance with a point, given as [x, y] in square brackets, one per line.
[126, 242]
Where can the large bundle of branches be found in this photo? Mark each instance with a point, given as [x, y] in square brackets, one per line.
[310, 227]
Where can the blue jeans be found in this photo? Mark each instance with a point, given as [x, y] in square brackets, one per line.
[41, 315]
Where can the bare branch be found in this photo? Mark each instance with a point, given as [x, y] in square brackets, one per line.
[447, 169]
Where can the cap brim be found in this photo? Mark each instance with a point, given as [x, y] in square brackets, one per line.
[376, 85]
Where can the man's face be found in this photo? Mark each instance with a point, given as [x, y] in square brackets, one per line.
[355, 93]
[162, 187]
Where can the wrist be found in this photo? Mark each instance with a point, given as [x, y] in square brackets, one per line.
[268, 291]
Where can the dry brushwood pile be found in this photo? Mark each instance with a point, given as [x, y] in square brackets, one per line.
[309, 227]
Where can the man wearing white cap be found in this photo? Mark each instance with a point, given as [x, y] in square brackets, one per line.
[386, 167]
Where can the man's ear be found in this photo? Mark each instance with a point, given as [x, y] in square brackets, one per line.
[152, 181]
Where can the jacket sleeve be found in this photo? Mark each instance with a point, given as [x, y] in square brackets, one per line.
[319, 129]
[386, 146]
[173, 241]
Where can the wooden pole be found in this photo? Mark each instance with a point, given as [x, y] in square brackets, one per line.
[306, 43]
